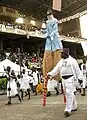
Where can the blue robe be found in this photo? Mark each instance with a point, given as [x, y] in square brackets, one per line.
[53, 42]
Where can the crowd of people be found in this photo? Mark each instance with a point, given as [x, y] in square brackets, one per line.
[27, 81]
[23, 82]
[71, 76]
[25, 58]
[12, 25]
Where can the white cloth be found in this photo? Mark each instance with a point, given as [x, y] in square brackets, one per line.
[69, 85]
[13, 66]
[84, 72]
[51, 85]
[76, 72]
[24, 82]
[30, 79]
[35, 79]
[84, 82]
[66, 68]
[12, 84]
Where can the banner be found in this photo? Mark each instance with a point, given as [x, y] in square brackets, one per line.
[57, 5]
[19, 31]
[84, 47]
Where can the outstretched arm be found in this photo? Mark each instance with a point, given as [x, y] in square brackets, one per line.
[56, 69]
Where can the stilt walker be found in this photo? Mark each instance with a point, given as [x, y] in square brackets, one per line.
[53, 44]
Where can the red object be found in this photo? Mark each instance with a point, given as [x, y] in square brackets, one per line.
[64, 99]
[33, 59]
[44, 93]
[44, 99]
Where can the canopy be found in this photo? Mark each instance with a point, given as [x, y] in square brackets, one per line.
[13, 66]
[1, 69]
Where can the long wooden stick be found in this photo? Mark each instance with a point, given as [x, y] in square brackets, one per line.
[44, 93]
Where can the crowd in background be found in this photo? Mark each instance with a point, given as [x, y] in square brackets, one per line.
[13, 25]
[23, 59]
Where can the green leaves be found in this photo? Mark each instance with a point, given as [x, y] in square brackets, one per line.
[3, 83]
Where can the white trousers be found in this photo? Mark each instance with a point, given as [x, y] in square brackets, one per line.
[69, 88]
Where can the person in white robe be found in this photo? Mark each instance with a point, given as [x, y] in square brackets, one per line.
[12, 87]
[70, 72]
[35, 80]
[31, 82]
[84, 72]
[24, 84]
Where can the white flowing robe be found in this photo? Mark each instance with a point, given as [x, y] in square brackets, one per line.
[35, 79]
[24, 82]
[13, 87]
[84, 72]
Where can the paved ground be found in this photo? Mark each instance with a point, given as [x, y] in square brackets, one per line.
[32, 109]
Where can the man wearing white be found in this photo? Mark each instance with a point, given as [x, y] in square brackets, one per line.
[69, 71]
[31, 82]
[35, 80]
[12, 87]
[24, 84]
[84, 72]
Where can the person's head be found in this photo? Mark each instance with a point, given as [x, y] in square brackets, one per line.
[8, 69]
[18, 76]
[65, 53]
[12, 72]
[23, 71]
[49, 14]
